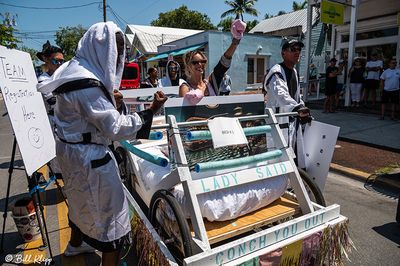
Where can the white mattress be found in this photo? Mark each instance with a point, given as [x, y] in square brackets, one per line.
[218, 205]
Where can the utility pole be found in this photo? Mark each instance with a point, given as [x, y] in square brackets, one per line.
[104, 11]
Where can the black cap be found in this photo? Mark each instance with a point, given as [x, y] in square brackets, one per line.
[291, 43]
[333, 60]
[47, 50]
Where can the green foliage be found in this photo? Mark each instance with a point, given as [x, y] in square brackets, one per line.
[67, 39]
[267, 16]
[32, 52]
[282, 12]
[7, 38]
[225, 24]
[299, 5]
[387, 169]
[251, 24]
[184, 18]
[240, 7]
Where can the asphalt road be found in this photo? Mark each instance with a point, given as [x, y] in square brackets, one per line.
[373, 229]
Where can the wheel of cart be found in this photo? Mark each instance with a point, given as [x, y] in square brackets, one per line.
[312, 189]
[170, 223]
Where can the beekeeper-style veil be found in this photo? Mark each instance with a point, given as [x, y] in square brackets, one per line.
[98, 50]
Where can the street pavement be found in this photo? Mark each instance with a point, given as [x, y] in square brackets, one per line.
[372, 226]
[363, 128]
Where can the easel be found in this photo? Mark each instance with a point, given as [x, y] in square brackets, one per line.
[32, 185]
[31, 128]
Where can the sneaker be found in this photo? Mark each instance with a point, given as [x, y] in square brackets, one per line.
[73, 251]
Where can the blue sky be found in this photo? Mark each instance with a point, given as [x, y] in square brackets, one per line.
[41, 24]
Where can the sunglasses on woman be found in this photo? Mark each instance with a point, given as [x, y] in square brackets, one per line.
[57, 61]
[195, 62]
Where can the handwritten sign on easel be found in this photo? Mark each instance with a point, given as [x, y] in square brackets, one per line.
[26, 109]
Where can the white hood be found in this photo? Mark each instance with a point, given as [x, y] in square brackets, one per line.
[95, 58]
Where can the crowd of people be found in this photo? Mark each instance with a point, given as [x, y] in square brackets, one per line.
[367, 80]
[88, 115]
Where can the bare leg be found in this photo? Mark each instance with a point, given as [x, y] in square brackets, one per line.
[382, 110]
[365, 96]
[337, 99]
[326, 104]
[331, 103]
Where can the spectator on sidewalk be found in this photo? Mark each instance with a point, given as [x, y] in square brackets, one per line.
[152, 80]
[313, 80]
[374, 68]
[330, 86]
[356, 75]
[225, 86]
[390, 88]
[340, 82]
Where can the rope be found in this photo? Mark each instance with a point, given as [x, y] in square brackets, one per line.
[42, 188]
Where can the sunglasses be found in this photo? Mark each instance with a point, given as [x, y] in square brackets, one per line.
[195, 62]
[57, 61]
[173, 68]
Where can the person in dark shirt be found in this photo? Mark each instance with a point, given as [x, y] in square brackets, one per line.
[152, 80]
[330, 86]
[356, 75]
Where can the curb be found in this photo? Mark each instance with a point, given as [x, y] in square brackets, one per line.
[353, 173]
[363, 176]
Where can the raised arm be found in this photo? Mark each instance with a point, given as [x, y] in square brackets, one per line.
[238, 28]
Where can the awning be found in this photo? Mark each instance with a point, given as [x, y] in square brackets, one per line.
[175, 52]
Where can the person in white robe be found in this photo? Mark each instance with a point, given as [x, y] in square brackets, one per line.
[87, 122]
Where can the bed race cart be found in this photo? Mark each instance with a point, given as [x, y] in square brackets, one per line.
[216, 184]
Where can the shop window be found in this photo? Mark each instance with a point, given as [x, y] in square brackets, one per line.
[250, 71]
[255, 69]
[371, 34]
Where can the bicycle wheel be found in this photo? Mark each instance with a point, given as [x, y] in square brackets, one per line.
[312, 189]
[170, 223]
[125, 169]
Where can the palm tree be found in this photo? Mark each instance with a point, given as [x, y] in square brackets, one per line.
[299, 6]
[240, 7]
[267, 16]
[280, 13]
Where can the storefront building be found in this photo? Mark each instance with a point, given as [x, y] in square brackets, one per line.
[377, 30]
